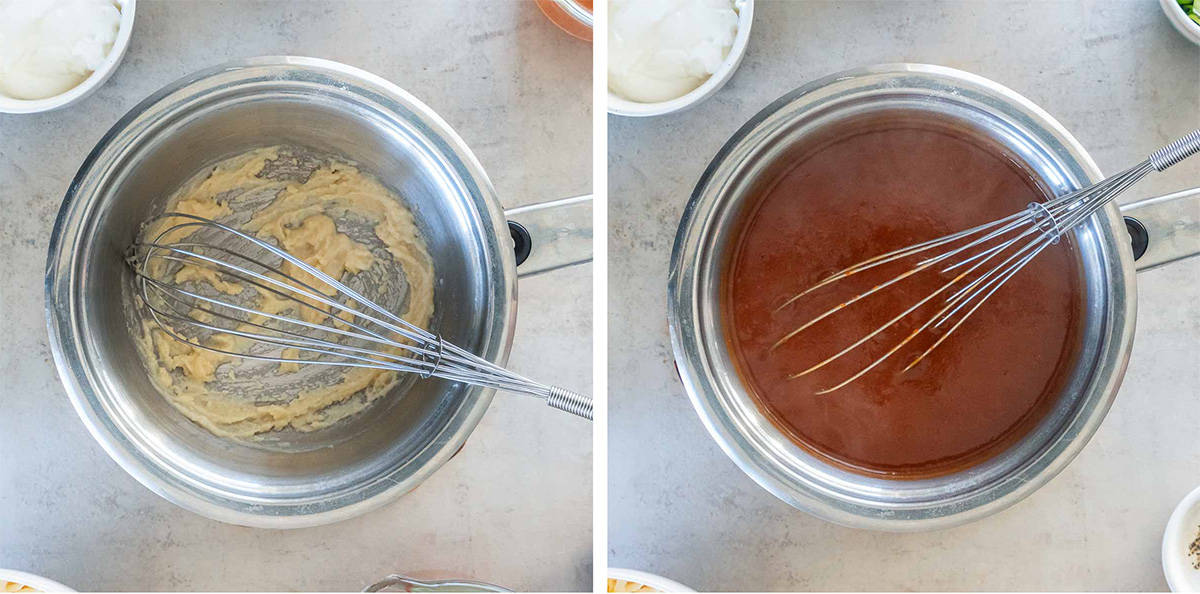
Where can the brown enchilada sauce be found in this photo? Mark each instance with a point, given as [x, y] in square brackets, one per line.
[865, 188]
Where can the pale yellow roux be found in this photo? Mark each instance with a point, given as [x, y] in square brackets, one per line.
[301, 220]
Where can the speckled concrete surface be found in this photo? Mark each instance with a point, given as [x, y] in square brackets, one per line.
[513, 508]
[1123, 81]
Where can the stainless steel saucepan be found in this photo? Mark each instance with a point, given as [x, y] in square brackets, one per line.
[1164, 229]
[366, 460]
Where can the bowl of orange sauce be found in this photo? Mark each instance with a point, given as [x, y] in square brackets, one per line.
[573, 16]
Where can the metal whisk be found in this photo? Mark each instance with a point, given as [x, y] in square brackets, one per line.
[351, 330]
[1008, 243]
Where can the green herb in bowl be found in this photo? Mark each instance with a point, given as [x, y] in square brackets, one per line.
[1189, 8]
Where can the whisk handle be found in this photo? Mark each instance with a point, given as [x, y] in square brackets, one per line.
[572, 402]
[1176, 151]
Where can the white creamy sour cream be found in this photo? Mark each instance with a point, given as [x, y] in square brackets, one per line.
[48, 47]
[662, 49]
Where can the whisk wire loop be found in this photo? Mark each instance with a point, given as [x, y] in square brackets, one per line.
[1021, 236]
[344, 328]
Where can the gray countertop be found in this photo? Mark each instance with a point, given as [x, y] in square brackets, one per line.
[1123, 82]
[513, 508]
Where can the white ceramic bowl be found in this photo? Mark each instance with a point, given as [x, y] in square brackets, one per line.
[618, 105]
[89, 84]
[1180, 532]
[657, 582]
[36, 582]
[1180, 20]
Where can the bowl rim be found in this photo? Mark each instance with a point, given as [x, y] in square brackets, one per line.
[645, 578]
[1175, 536]
[37, 582]
[66, 342]
[93, 81]
[620, 106]
[576, 11]
[1186, 26]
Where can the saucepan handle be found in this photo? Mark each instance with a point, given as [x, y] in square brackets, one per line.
[551, 235]
[1164, 229]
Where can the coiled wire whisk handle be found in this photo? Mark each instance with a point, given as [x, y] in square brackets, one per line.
[572, 402]
[1176, 151]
